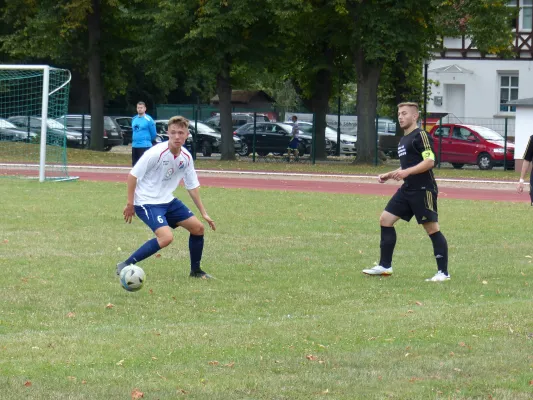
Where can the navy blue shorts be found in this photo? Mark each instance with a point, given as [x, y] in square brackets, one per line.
[158, 215]
[293, 144]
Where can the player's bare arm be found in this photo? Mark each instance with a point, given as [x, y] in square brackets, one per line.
[523, 172]
[129, 210]
[385, 177]
[195, 196]
[421, 167]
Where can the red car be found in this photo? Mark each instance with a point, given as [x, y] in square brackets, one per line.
[471, 144]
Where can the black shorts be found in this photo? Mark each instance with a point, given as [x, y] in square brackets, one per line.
[420, 203]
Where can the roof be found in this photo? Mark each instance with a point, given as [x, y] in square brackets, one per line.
[451, 69]
[247, 96]
[521, 102]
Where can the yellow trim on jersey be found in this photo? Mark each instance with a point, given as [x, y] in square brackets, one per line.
[429, 200]
[425, 140]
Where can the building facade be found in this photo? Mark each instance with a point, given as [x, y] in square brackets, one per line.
[466, 84]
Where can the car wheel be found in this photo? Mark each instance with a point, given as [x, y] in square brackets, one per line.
[457, 165]
[107, 148]
[301, 149]
[207, 149]
[244, 151]
[484, 161]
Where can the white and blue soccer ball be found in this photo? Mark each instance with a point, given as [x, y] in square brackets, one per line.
[132, 278]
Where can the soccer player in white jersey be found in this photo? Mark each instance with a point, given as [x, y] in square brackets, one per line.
[151, 183]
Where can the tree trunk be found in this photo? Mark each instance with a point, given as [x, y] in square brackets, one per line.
[318, 103]
[401, 91]
[224, 98]
[96, 92]
[368, 75]
[320, 106]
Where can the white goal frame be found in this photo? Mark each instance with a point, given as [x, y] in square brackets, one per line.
[44, 109]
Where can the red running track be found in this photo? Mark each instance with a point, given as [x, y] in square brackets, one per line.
[274, 183]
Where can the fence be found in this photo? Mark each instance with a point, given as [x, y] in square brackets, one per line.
[504, 126]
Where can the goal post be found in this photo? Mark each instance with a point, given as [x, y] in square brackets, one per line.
[32, 141]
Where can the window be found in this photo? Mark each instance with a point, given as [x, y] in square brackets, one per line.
[508, 92]
[526, 20]
[461, 133]
[442, 131]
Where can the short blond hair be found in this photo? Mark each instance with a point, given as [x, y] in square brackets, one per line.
[182, 122]
[408, 104]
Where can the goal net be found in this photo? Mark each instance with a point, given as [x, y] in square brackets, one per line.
[32, 142]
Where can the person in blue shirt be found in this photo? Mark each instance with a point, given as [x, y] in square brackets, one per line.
[143, 133]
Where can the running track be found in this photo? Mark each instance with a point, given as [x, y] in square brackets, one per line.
[333, 186]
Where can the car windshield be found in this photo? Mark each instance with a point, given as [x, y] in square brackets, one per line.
[54, 124]
[487, 133]
[6, 124]
[202, 128]
[286, 127]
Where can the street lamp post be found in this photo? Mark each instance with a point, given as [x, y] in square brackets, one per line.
[426, 64]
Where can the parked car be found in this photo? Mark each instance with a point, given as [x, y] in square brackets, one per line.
[273, 137]
[56, 131]
[10, 133]
[124, 125]
[82, 124]
[207, 139]
[348, 142]
[471, 144]
[237, 120]
[386, 127]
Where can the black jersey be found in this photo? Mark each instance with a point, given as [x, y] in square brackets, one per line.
[528, 154]
[412, 150]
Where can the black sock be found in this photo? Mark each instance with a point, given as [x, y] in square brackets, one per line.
[196, 246]
[440, 250]
[388, 241]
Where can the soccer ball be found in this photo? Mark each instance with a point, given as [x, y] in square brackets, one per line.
[132, 278]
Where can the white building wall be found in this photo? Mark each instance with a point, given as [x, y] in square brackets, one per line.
[524, 129]
[482, 86]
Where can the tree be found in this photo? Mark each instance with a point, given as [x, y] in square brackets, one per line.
[413, 27]
[77, 34]
[209, 41]
[317, 56]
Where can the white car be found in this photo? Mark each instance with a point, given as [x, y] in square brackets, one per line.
[348, 142]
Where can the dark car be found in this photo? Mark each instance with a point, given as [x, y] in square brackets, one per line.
[10, 133]
[273, 137]
[56, 131]
[348, 142]
[207, 139]
[237, 120]
[82, 124]
[124, 125]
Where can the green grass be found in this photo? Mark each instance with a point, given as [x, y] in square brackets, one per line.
[332, 166]
[290, 316]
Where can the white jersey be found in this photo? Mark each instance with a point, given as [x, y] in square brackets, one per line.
[159, 173]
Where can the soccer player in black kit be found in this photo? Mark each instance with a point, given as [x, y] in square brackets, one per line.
[417, 196]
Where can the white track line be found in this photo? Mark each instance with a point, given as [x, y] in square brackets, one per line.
[263, 173]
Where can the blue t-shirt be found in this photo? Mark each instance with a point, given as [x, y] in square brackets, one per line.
[143, 131]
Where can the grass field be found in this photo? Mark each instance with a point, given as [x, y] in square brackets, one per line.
[290, 315]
